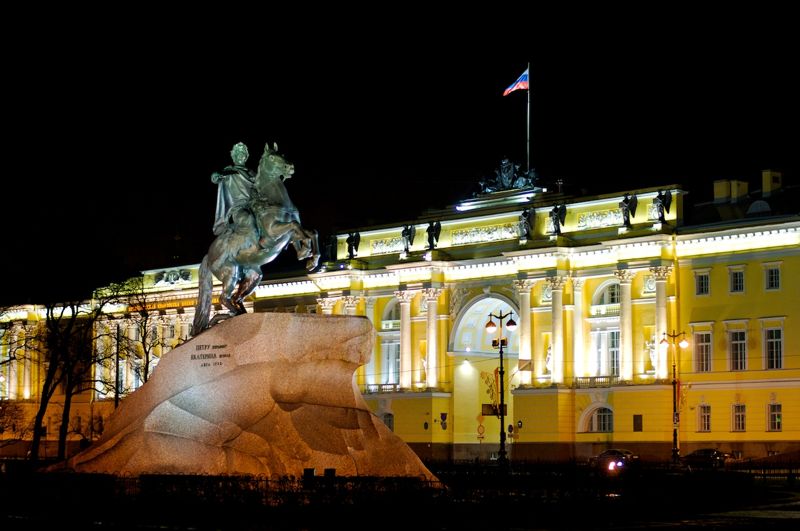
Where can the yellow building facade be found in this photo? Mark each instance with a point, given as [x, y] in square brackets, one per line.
[601, 302]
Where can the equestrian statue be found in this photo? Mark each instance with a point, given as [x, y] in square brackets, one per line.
[255, 221]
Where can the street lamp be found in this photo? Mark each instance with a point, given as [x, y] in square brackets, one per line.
[675, 415]
[501, 342]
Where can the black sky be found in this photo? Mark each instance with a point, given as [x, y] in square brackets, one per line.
[111, 137]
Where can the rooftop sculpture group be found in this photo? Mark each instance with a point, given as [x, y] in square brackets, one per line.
[507, 177]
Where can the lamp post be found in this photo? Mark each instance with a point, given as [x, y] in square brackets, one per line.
[501, 342]
[675, 414]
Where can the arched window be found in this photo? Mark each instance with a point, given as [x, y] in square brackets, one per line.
[394, 312]
[601, 421]
[610, 295]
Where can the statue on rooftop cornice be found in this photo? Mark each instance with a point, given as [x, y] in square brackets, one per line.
[662, 202]
[507, 177]
[628, 208]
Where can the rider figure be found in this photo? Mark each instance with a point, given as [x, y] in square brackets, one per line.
[235, 186]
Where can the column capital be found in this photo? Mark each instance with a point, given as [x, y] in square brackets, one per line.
[661, 273]
[624, 275]
[327, 303]
[404, 296]
[523, 286]
[557, 282]
[350, 301]
[577, 283]
[431, 294]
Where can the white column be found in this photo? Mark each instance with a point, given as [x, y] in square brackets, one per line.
[625, 277]
[432, 368]
[404, 298]
[370, 368]
[557, 309]
[327, 304]
[662, 274]
[523, 288]
[578, 357]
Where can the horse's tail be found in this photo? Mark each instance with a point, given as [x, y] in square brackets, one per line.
[202, 310]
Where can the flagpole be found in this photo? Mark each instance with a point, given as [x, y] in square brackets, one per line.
[528, 152]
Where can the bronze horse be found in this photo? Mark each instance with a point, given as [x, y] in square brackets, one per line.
[235, 257]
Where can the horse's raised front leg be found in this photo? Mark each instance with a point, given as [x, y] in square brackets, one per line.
[305, 242]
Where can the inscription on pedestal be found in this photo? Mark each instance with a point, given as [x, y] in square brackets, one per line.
[206, 358]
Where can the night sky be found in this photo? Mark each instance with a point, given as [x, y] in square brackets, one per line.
[111, 137]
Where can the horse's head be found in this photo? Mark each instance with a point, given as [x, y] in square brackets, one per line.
[273, 165]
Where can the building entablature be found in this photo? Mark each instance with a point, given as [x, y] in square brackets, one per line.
[736, 240]
[521, 222]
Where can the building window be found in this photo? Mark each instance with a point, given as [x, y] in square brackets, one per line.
[613, 353]
[638, 423]
[736, 281]
[739, 416]
[703, 417]
[169, 331]
[738, 349]
[606, 357]
[610, 295]
[772, 276]
[702, 351]
[774, 420]
[773, 346]
[391, 360]
[602, 421]
[702, 284]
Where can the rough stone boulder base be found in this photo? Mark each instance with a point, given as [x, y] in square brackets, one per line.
[266, 393]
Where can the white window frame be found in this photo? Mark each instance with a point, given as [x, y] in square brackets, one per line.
[774, 417]
[696, 349]
[602, 352]
[736, 358]
[391, 361]
[738, 412]
[607, 424]
[767, 324]
[704, 418]
[731, 326]
[768, 268]
[773, 341]
[733, 273]
[613, 353]
[702, 273]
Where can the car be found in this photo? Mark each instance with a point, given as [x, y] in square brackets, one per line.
[614, 460]
[706, 458]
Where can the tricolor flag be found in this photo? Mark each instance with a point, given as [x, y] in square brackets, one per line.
[520, 84]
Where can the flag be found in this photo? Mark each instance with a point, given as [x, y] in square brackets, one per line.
[520, 84]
